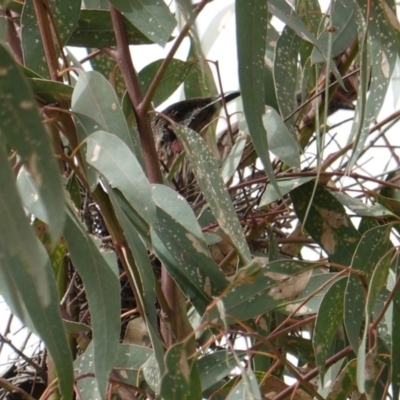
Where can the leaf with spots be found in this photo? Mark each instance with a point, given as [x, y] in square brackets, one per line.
[173, 77]
[329, 317]
[95, 29]
[362, 209]
[142, 273]
[345, 382]
[112, 158]
[373, 245]
[286, 185]
[377, 66]
[214, 367]
[21, 126]
[51, 91]
[179, 243]
[285, 72]
[27, 280]
[251, 40]
[94, 97]
[343, 34]
[102, 290]
[181, 380]
[31, 41]
[247, 388]
[267, 287]
[327, 222]
[129, 359]
[283, 11]
[281, 141]
[151, 17]
[66, 15]
[208, 177]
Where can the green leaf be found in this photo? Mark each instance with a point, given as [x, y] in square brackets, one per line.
[345, 383]
[329, 317]
[216, 366]
[286, 185]
[20, 124]
[283, 11]
[232, 161]
[381, 58]
[102, 289]
[286, 14]
[354, 305]
[360, 208]
[173, 77]
[95, 29]
[251, 36]
[26, 278]
[373, 245]
[199, 81]
[181, 380]
[151, 17]
[112, 158]
[129, 359]
[280, 140]
[209, 179]
[65, 16]
[265, 288]
[285, 72]
[94, 97]
[247, 388]
[85, 126]
[145, 283]
[327, 222]
[51, 91]
[31, 41]
[343, 19]
[179, 243]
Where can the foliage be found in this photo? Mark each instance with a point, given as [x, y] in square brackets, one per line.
[288, 249]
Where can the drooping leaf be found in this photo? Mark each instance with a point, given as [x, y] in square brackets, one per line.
[94, 29]
[345, 30]
[327, 222]
[32, 45]
[329, 317]
[251, 36]
[173, 77]
[265, 288]
[113, 159]
[26, 278]
[178, 242]
[381, 59]
[373, 245]
[181, 380]
[280, 140]
[217, 365]
[22, 127]
[286, 185]
[285, 73]
[151, 17]
[209, 179]
[145, 281]
[94, 97]
[103, 293]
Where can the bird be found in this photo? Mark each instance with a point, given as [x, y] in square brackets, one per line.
[196, 114]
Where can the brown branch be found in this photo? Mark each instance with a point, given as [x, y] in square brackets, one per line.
[47, 38]
[135, 94]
